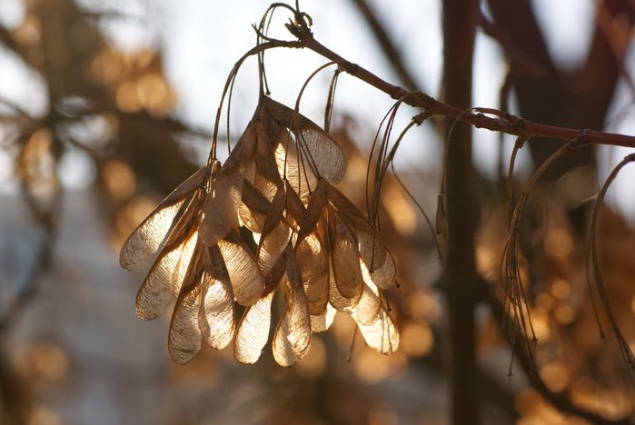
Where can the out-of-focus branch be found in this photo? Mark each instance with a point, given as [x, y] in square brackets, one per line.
[459, 278]
[393, 55]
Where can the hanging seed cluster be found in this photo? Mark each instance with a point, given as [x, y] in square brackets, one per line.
[268, 220]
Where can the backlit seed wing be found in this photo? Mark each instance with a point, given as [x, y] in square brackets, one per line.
[160, 286]
[220, 210]
[382, 334]
[165, 278]
[265, 160]
[384, 275]
[243, 152]
[345, 259]
[327, 155]
[179, 277]
[336, 299]
[281, 346]
[313, 261]
[369, 306]
[275, 235]
[253, 331]
[247, 282]
[294, 168]
[184, 339]
[145, 240]
[295, 207]
[216, 313]
[298, 317]
[322, 322]
[314, 210]
[253, 209]
[372, 249]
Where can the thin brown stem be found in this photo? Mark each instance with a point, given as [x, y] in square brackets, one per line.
[506, 123]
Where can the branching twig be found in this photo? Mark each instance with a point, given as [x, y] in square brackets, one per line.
[506, 123]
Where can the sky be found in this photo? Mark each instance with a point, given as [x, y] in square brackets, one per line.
[202, 39]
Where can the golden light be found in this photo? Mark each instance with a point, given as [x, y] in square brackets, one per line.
[423, 307]
[555, 375]
[565, 314]
[541, 327]
[127, 98]
[314, 363]
[29, 31]
[544, 302]
[486, 259]
[400, 210]
[416, 339]
[558, 243]
[107, 66]
[153, 93]
[560, 289]
[370, 366]
[119, 179]
[382, 414]
[42, 415]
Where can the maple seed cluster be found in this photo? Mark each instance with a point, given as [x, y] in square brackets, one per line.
[297, 233]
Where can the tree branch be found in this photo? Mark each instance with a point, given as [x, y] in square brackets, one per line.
[503, 122]
[391, 52]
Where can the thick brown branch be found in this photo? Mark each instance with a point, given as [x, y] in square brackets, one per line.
[459, 278]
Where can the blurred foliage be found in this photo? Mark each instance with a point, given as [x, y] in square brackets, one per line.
[115, 107]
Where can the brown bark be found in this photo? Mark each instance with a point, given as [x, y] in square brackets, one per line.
[459, 275]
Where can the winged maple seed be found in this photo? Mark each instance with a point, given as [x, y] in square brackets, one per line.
[314, 248]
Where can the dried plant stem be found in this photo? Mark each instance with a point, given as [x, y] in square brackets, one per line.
[593, 267]
[558, 400]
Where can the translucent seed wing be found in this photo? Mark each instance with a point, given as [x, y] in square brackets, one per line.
[327, 155]
[369, 306]
[184, 338]
[313, 261]
[216, 313]
[253, 331]
[275, 235]
[220, 210]
[146, 239]
[322, 322]
[345, 259]
[314, 210]
[161, 285]
[381, 334]
[246, 280]
[281, 346]
[298, 317]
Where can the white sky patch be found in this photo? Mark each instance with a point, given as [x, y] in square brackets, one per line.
[76, 169]
[20, 85]
[489, 74]
[11, 13]
[567, 27]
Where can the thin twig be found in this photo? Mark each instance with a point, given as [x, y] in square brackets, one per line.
[507, 123]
